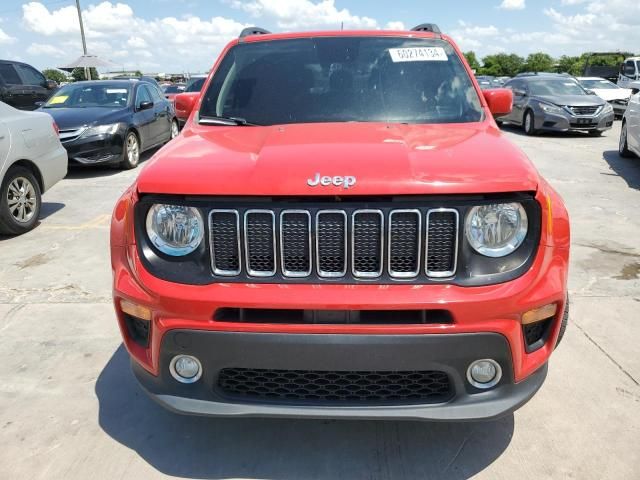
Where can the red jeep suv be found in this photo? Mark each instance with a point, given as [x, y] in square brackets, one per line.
[341, 230]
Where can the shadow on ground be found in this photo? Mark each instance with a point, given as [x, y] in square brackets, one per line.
[195, 447]
[627, 168]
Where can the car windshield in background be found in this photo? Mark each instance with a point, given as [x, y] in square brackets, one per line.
[599, 84]
[195, 85]
[174, 89]
[555, 87]
[94, 95]
[342, 79]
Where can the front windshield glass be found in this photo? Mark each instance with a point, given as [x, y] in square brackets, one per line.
[343, 79]
[174, 89]
[599, 84]
[81, 95]
[195, 85]
[555, 87]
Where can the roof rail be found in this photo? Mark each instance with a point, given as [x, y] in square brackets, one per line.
[427, 27]
[253, 31]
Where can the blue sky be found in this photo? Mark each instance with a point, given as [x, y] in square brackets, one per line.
[187, 35]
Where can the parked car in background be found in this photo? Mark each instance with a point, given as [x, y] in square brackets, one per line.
[184, 101]
[111, 121]
[557, 103]
[629, 144]
[487, 81]
[629, 72]
[170, 91]
[32, 160]
[609, 91]
[22, 86]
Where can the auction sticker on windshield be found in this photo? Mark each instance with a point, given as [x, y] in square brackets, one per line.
[418, 54]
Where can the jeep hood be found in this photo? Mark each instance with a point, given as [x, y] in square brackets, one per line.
[385, 159]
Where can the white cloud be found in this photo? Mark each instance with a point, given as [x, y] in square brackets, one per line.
[5, 39]
[137, 42]
[304, 14]
[472, 37]
[512, 4]
[395, 26]
[45, 49]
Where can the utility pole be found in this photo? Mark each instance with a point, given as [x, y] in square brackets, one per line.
[87, 71]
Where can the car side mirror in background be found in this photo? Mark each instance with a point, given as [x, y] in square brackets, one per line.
[145, 106]
[519, 93]
[500, 100]
[51, 84]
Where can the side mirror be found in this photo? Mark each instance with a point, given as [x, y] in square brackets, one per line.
[590, 92]
[500, 100]
[145, 106]
[51, 84]
[39, 104]
[184, 104]
[519, 93]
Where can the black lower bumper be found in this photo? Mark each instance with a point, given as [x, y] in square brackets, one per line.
[96, 150]
[449, 353]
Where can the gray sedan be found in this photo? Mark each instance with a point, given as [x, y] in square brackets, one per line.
[556, 103]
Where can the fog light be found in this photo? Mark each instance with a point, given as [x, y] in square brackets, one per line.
[185, 368]
[484, 373]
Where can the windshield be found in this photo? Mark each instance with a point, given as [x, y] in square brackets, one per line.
[555, 87]
[342, 79]
[93, 95]
[599, 84]
[174, 89]
[195, 85]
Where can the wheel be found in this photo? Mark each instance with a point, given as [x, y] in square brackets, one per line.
[175, 129]
[564, 322]
[623, 147]
[595, 133]
[529, 123]
[20, 201]
[131, 154]
[499, 123]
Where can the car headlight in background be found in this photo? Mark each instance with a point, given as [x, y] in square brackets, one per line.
[549, 108]
[101, 130]
[607, 108]
[496, 230]
[175, 230]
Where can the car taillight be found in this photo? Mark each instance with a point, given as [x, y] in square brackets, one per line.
[56, 129]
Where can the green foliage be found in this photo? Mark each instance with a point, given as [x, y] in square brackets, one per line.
[539, 62]
[55, 75]
[502, 64]
[472, 60]
[78, 74]
[138, 73]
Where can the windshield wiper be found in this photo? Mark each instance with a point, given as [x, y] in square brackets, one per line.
[209, 120]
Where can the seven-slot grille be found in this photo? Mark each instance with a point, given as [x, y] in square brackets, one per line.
[334, 243]
[590, 110]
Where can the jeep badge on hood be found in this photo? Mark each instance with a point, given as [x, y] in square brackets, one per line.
[325, 181]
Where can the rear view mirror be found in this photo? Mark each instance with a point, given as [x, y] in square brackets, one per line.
[500, 100]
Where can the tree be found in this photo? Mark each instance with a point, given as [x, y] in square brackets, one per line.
[55, 75]
[472, 60]
[78, 74]
[570, 65]
[502, 64]
[539, 62]
[138, 73]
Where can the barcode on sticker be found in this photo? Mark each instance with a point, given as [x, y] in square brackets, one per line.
[418, 54]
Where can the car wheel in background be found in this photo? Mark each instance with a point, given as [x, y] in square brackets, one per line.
[623, 147]
[131, 154]
[20, 201]
[529, 123]
[175, 129]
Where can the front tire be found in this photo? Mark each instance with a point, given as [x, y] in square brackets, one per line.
[175, 129]
[131, 154]
[528, 124]
[20, 201]
[623, 146]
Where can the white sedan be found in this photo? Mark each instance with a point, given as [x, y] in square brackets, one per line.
[32, 160]
[609, 91]
[630, 131]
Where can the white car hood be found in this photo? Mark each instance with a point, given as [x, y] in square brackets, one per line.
[610, 94]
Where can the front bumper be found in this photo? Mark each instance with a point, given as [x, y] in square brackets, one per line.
[96, 149]
[553, 122]
[451, 354]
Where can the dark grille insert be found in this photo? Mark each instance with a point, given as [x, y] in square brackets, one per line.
[368, 227]
[535, 334]
[335, 387]
[442, 236]
[260, 242]
[404, 243]
[331, 243]
[302, 316]
[138, 330]
[295, 243]
[589, 110]
[225, 240]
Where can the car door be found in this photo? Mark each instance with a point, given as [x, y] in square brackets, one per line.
[5, 143]
[162, 114]
[15, 93]
[516, 113]
[34, 84]
[632, 116]
[143, 119]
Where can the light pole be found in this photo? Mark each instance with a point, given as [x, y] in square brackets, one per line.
[87, 71]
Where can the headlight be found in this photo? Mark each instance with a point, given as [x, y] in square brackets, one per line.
[547, 107]
[496, 230]
[607, 108]
[174, 229]
[101, 130]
